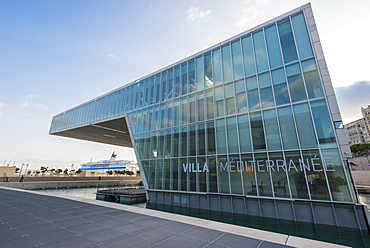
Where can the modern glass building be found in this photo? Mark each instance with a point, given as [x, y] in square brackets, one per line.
[248, 126]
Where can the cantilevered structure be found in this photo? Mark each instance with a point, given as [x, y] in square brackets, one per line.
[248, 126]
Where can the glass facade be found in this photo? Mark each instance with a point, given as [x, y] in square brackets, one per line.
[249, 117]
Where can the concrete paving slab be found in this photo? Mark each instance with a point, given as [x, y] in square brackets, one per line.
[140, 227]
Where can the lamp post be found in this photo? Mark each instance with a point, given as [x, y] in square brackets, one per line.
[20, 171]
[26, 169]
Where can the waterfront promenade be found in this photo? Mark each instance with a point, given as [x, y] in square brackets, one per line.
[69, 182]
[35, 219]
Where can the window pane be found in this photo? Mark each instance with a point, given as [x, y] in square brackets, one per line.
[210, 139]
[287, 41]
[263, 175]
[323, 124]
[217, 71]
[305, 127]
[244, 133]
[199, 74]
[297, 179]
[258, 135]
[183, 142]
[236, 168]
[184, 79]
[287, 128]
[232, 136]
[301, 36]
[337, 179]
[312, 79]
[201, 142]
[248, 56]
[260, 51]
[237, 60]
[278, 174]
[295, 82]
[223, 175]
[249, 175]
[191, 76]
[208, 70]
[273, 46]
[226, 64]
[221, 136]
[272, 130]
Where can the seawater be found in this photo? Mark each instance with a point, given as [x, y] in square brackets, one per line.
[343, 236]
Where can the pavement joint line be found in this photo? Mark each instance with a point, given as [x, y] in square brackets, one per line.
[282, 239]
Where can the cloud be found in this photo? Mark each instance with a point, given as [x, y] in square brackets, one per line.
[35, 105]
[2, 105]
[32, 96]
[196, 14]
[351, 98]
[252, 12]
[114, 56]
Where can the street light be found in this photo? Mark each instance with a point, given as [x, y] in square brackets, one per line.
[26, 169]
[20, 172]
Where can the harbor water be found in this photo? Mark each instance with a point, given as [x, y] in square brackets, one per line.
[343, 236]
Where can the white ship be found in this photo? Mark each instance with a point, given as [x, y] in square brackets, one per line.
[111, 164]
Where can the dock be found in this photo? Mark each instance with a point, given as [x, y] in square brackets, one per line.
[33, 219]
[127, 196]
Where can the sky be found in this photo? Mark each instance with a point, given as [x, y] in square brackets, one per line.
[57, 54]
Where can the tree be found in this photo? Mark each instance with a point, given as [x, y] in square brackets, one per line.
[138, 172]
[110, 172]
[65, 171]
[79, 171]
[16, 170]
[44, 169]
[29, 172]
[37, 172]
[58, 171]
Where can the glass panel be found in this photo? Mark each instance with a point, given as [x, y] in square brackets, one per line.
[176, 112]
[175, 173]
[183, 174]
[166, 174]
[241, 102]
[237, 60]
[211, 140]
[280, 87]
[158, 92]
[287, 41]
[263, 174]
[267, 98]
[273, 46]
[316, 176]
[201, 106]
[208, 70]
[260, 51]
[184, 79]
[159, 174]
[226, 64]
[337, 179]
[176, 86]
[199, 74]
[230, 106]
[236, 168]
[191, 76]
[183, 142]
[201, 176]
[219, 97]
[213, 185]
[279, 176]
[223, 174]
[305, 127]
[301, 36]
[232, 135]
[184, 110]
[152, 90]
[312, 79]
[287, 128]
[249, 179]
[175, 142]
[253, 100]
[192, 183]
[192, 146]
[258, 136]
[272, 130]
[295, 81]
[323, 124]
[217, 71]
[201, 141]
[248, 56]
[170, 84]
[160, 144]
[297, 179]
[151, 178]
[164, 86]
[210, 104]
[221, 136]
[244, 133]
[168, 144]
[192, 111]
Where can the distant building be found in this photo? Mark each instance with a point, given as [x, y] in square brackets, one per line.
[358, 131]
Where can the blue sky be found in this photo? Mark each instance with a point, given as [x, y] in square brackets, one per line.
[57, 54]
